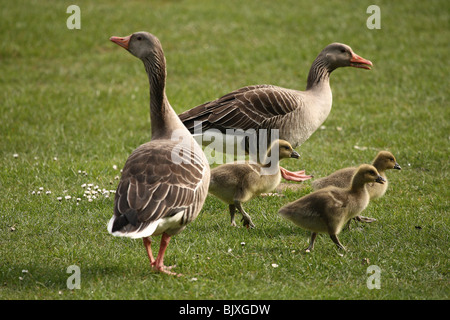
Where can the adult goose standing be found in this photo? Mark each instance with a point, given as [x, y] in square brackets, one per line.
[342, 178]
[165, 181]
[238, 182]
[327, 210]
[295, 114]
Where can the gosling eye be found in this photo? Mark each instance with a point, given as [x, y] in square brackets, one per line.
[139, 38]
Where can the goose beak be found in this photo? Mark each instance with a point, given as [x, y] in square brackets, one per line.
[359, 62]
[397, 166]
[121, 41]
[295, 154]
[380, 180]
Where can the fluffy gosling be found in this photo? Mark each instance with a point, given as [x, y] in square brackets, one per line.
[327, 210]
[238, 182]
[384, 161]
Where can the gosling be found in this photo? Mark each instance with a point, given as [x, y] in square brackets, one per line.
[384, 160]
[327, 210]
[238, 182]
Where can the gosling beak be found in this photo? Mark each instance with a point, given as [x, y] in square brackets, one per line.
[121, 41]
[380, 180]
[295, 154]
[397, 166]
[359, 62]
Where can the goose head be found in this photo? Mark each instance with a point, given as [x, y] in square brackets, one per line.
[285, 150]
[140, 44]
[386, 160]
[337, 55]
[367, 173]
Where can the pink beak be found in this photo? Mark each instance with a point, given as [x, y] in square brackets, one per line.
[359, 62]
[121, 41]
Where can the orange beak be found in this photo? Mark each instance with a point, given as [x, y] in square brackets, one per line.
[359, 62]
[121, 41]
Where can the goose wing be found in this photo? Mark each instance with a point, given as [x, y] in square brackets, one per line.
[154, 186]
[245, 108]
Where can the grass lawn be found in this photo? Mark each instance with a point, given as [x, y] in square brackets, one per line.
[74, 105]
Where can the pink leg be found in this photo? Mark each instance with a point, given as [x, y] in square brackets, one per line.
[148, 247]
[159, 263]
[294, 176]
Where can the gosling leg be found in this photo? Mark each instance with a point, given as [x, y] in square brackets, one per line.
[337, 242]
[311, 242]
[347, 226]
[232, 208]
[245, 217]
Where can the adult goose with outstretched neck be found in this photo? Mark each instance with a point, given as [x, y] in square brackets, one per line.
[165, 181]
[295, 114]
[328, 210]
[238, 182]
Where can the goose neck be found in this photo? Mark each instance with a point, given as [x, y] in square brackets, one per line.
[156, 71]
[319, 74]
[270, 165]
[358, 184]
[160, 109]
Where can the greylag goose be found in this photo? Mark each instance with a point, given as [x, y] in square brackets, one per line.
[342, 178]
[238, 182]
[328, 209]
[295, 114]
[165, 181]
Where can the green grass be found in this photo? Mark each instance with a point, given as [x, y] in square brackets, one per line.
[74, 95]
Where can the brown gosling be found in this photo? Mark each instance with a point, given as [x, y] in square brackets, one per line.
[238, 182]
[384, 160]
[327, 210]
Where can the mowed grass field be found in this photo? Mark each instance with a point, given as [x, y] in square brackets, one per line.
[74, 105]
